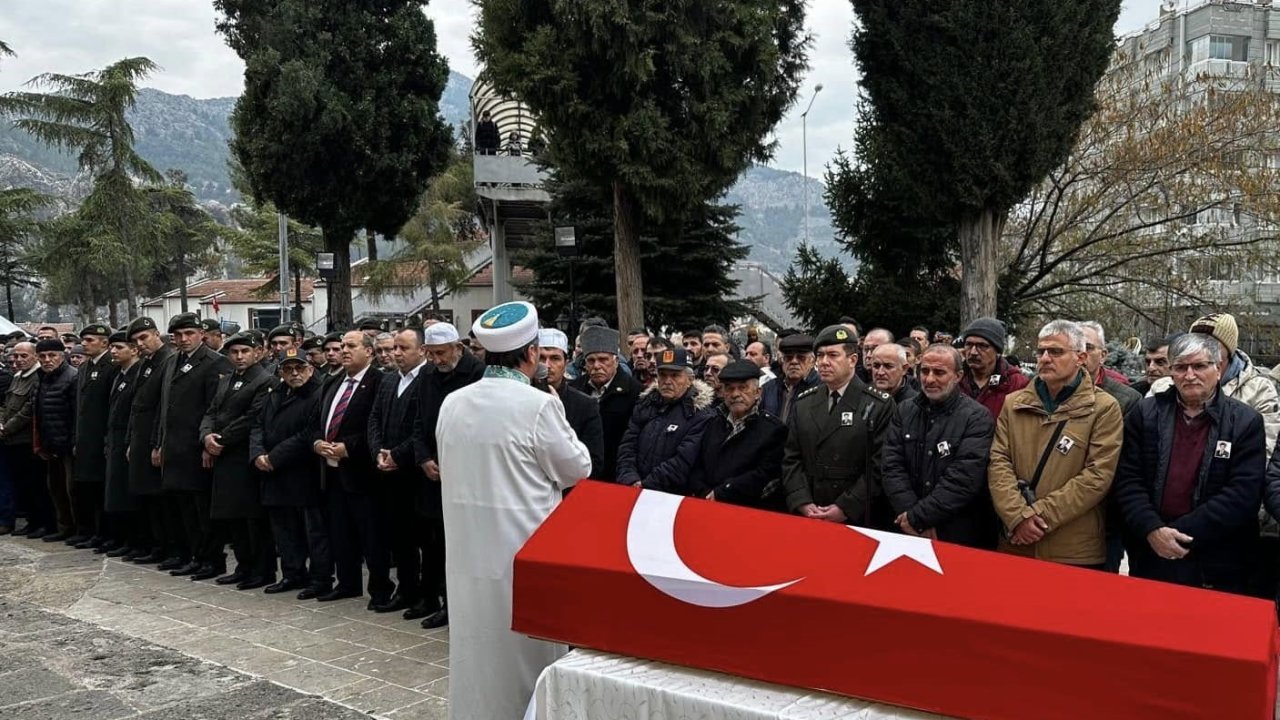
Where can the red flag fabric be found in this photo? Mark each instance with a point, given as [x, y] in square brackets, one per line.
[886, 617]
[217, 307]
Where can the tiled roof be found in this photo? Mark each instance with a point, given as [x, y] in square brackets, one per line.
[484, 276]
[243, 291]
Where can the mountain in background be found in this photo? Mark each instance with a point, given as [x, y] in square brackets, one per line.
[178, 131]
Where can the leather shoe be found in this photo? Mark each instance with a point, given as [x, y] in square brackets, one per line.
[37, 534]
[232, 579]
[75, 540]
[98, 541]
[84, 545]
[284, 586]
[338, 594]
[56, 537]
[146, 557]
[254, 583]
[190, 568]
[24, 530]
[119, 552]
[108, 547]
[437, 619]
[172, 563]
[420, 610]
[207, 572]
[397, 602]
[312, 593]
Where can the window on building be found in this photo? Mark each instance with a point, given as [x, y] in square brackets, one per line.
[1218, 47]
[264, 318]
[1273, 52]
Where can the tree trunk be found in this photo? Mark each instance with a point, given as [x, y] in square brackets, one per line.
[979, 234]
[297, 295]
[338, 242]
[435, 294]
[182, 280]
[371, 242]
[130, 290]
[626, 259]
[8, 298]
[113, 311]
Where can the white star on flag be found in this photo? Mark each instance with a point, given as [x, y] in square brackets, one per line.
[891, 546]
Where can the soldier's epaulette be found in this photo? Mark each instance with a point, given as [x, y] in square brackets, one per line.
[876, 393]
[808, 392]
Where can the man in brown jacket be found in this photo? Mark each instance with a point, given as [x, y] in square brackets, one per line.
[1054, 456]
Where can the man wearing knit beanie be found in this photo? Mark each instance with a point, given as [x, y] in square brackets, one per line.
[988, 377]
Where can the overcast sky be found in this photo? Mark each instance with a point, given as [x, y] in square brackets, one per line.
[73, 36]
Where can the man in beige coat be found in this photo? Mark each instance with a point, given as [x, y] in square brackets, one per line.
[1055, 453]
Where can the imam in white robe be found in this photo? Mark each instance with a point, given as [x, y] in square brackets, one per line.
[506, 454]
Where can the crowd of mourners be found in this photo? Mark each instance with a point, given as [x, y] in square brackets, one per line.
[314, 457]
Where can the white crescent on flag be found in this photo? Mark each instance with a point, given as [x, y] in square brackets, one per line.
[651, 548]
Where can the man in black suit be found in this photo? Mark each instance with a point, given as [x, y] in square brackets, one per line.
[188, 386]
[340, 436]
[120, 505]
[97, 375]
[615, 391]
[454, 368]
[391, 441]
[236, 500]
[280, 445]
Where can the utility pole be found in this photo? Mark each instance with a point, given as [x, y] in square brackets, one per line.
[804, 134]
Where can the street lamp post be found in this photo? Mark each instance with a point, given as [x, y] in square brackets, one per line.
[804, 134]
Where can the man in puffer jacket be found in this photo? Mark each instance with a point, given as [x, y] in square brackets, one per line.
[54, 423]
[661, 442]
[1243, 381]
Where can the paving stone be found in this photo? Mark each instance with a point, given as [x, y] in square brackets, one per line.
[430, 651]
[310, 620]
[204, 616]
[436, 688]
[430, 709]
[390, 668]
[383, 700]
[310, 709]
[31, 684]
[372, 636]
[329, 650]
[241, 702]
[86, 704]
[314, 677]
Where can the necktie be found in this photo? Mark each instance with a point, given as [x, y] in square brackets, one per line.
[182, 359]
[835, 400]
[339, 411]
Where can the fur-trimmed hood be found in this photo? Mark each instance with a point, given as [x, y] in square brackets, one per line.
[699, 396]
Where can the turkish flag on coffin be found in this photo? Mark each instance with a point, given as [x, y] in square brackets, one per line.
[886, 617]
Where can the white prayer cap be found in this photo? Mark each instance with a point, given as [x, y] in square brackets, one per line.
[553, 338]
[506, 327]
[441, 333]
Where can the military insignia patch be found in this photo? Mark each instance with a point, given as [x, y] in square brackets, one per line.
[668, 356]
[842, 335]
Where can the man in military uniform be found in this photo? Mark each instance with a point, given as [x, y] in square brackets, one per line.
[332, 358]
[119, 505]
[189, 384]
[212, 329]
[97, 375]
[278, 340]
[831, 463]
[313, 351]
[235, 502]
[168, 542]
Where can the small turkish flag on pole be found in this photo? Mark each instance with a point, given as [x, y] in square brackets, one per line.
[217, 308]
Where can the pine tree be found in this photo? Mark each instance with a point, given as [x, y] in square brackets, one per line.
[971, 103]
[687, 264]
[339, 124]
[657, 105]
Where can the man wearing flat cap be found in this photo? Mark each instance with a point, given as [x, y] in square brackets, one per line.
[739, 458]
[615, 391]
[188, 386]
[235, 506]
[53, 420]
[831, 465]
[93, 398]
[507, 454]
[798, 375]
[661, 441]
[168, 541]
[213, 337]
[453, 369]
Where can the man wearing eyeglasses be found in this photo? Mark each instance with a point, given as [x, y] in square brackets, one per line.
[1054, 456]
[1191, 476]
[798, 375]
[988, 377]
